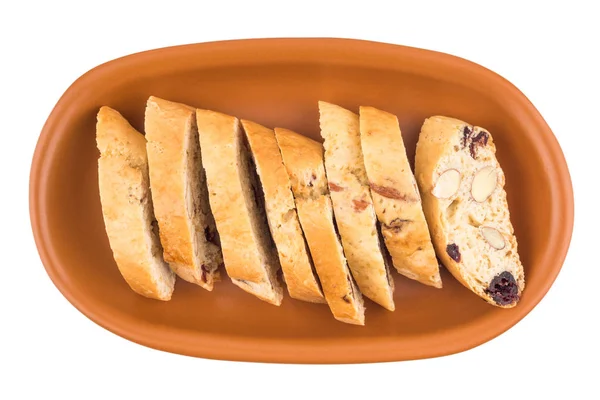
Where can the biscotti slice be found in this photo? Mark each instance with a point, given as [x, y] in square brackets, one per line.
[396, 197]
[187, 227]
[296, 264]
[462, 185]
[127, 207]
[237, 203]
[352, 204]
[303, 160]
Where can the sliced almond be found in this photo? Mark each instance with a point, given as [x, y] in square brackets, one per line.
[447, 184]
[484, 184]
[493, 237]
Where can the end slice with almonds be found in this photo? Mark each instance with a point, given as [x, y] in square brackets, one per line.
[471, 229]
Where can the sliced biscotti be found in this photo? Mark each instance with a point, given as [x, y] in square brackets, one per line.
[353, 205]
[127, 207]
[462, 185]
[187, 227]
[303, 159]
[396, 197]
[296, 264]
[237, 203]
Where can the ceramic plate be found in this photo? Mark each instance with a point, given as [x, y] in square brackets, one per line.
[277, 82]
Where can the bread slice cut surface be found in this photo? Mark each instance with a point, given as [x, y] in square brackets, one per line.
[296, 263]
[237, 203]
[187, 227]
[127, 207]
[396, 197]
[303, 160]
[352, 203]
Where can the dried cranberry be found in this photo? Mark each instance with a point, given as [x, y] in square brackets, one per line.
[453, 252]
[503, 289]
[466, 133]
[480, 140]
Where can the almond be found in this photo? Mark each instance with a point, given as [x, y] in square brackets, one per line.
[493, 237]
[484, 184]
[447, 184]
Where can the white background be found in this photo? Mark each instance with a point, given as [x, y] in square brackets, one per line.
[48, 348]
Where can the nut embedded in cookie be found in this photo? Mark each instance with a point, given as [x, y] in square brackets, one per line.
[484, 183]
[493, 237]
[447, 184]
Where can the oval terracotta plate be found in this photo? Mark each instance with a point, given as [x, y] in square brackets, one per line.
[277, 82]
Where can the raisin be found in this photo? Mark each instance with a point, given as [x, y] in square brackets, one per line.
[453, 252]
[503, 289]
[480, 140]
[466, 133]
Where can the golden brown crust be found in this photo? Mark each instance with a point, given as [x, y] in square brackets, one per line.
[303, 159]
[249, 264]
[396, 197]
[285, 228]
[352, 203]
[127, 208]
[168, 126]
